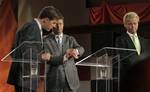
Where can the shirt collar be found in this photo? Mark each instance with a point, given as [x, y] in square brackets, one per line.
[60, 35]
[135, 34]
[39, 25]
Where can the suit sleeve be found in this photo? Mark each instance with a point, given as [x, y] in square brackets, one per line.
[119, 43]
[75, 45]
[30, 35]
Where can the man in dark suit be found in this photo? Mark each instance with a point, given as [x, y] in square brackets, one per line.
[130, 40]
[31, 32]
[62, 49]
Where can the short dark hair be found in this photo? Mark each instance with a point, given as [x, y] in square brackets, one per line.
[51, 13]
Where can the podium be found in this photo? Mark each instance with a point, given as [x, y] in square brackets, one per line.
[105, 68]
[27, 70]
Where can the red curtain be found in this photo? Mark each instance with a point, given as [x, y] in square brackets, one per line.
[113, 14]
[8, 27]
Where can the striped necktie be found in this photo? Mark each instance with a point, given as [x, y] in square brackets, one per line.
[59, 42]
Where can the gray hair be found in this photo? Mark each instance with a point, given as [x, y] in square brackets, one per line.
[130, 15]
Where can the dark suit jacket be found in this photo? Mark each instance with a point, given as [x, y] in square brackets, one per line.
[29, 32]
[124, 41]
[56, 63]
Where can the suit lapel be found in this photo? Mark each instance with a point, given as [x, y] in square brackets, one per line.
[52, 44]
[130, 42]
[38, 33]
[141, 43]
[64, 46]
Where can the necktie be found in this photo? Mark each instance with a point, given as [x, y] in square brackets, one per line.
[59, 42]
[136, 44]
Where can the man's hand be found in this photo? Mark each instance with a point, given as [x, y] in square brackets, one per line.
[72, 53]
[46, 56]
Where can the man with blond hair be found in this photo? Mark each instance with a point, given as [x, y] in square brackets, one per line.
[130, 40]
